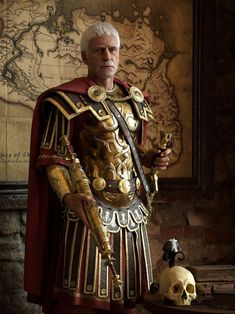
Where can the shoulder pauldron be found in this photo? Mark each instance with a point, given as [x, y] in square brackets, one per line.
[72, 105]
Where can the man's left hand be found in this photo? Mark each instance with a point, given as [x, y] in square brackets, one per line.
[161, 159]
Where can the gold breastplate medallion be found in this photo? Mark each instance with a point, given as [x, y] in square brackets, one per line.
[124, 186]
[99, 184]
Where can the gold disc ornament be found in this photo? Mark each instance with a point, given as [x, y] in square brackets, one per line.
[124, 186]
[99, 184]
[136, 94]
[97, 93]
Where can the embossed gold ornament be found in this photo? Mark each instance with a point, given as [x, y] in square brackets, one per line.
[97, 93]
[137, 183]
[124, 186]
[99, 184]
[136, 94]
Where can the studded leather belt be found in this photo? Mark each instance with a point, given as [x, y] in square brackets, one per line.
[107, 185]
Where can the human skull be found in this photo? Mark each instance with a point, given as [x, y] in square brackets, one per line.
[178, 285]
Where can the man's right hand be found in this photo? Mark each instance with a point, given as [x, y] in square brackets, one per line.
[75, 202]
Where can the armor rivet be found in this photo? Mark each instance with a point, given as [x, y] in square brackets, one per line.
[101, 112]
[89, 288]
[103, 291]
[99, 184]
[73, 283]
[117, 294]
[79, 105]
[124, 186]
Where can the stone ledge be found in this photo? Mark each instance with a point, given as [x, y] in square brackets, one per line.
[13, 199]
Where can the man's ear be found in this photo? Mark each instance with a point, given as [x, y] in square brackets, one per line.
[83, 55]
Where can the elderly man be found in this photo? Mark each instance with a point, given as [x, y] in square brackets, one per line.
[87, 248]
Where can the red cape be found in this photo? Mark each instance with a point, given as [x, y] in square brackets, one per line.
[43, 212]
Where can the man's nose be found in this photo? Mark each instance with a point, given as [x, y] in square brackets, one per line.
[107, 54]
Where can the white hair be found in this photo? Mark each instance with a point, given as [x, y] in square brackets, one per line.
[97, 30]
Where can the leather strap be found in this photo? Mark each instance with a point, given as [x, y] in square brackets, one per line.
[129, 139]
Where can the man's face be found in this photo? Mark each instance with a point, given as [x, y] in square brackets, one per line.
[102, 58]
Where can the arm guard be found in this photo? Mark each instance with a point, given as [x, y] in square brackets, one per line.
[59, 179]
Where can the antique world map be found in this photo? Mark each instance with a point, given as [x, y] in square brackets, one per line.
[39, 48]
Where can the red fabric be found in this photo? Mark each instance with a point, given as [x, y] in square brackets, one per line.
[43, 208]
[38, 233]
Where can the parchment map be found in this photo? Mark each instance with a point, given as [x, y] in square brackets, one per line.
[39, 48]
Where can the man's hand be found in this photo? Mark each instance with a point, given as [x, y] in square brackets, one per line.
[75, 202]
[161, 159]
[156, 158]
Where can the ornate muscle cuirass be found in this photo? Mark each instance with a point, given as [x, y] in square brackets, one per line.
[99, 142]
[105, 154]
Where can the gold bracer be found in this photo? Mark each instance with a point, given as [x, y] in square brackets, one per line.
[59, 179]
[99, 231]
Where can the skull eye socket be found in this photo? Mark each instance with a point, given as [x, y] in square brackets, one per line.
[190, 288]
[177, 288]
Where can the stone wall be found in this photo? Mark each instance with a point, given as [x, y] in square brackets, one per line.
[204, 227]
[12, 235]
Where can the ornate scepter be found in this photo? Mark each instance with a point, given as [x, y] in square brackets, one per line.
[165, 142]
[98, 230]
